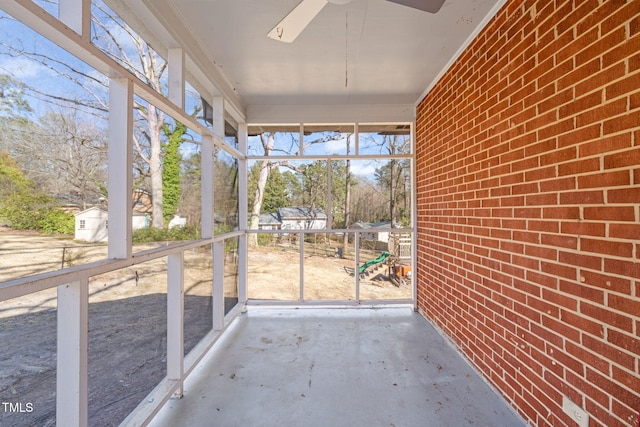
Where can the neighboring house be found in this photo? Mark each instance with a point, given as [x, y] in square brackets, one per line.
[177, 221]
[302, 218]
[142, 201]
[269, 221]
[399, 244]
[373, 233]
[92, 225]
[293, 218]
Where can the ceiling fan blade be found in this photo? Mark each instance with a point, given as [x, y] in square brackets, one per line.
[297, 20]
[431, 6]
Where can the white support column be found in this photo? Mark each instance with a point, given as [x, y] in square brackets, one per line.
[414, 229]
[243, 268]
[218, 286]
[356, 247]
[301, 249]
[206, 191]
[72, 361]
[76, 14]
[175, 320]
[329, 194]
[218, 117]
[120, 167]
[176, 77]
[243, 250]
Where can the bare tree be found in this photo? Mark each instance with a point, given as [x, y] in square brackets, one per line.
[120, 42]
[267, 141]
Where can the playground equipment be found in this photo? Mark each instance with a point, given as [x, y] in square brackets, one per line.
[374, 261]
[396, 271]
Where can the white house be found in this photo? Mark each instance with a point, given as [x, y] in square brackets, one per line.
[373, 232]
[269, 221]
[302, 218]
[92, 224]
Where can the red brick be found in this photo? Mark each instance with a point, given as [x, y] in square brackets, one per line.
[541, 279]
[559, 240]
[593, 51]
[610, 213]
[610, 109]
[620, 249]
[564, 212]
[623, 159]
[578, 167]
[560, 184]
[606, 282]
[597, 81]
[607, 179]
[622, 123]
[580, 135]
[625, 86]
[582, 198]
[541, 199]
[581, 104]
[605, 145]
[623, 268]
[583, 228]
[607, 317]
[580, 260]
[581, 291]
[621, 393]
[625, 231]
[624, 341]
[560, 329]
[560, 298]
[579, 382]
[627, 195]
[626, 304]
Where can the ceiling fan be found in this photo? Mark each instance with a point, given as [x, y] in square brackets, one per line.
[297, 20]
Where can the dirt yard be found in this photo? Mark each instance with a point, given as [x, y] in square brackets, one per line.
[127, 317]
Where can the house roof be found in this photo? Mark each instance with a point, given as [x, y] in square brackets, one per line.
[93, 208]
[366, 225]
[301, 212]
[269, 219]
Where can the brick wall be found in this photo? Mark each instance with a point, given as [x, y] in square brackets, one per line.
[528, 168]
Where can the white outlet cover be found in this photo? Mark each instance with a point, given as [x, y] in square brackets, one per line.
[576, 413]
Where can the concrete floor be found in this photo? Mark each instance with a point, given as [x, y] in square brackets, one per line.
[335, 367]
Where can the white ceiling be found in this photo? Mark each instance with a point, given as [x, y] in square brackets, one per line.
[364, 53]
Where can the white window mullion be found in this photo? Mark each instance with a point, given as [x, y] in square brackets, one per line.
[176, 76]
[243, 251]
[120, 166]
[206, 165]
[76, 14]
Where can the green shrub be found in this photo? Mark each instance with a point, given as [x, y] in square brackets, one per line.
[152, 234]
[26, 211]
[265, 239]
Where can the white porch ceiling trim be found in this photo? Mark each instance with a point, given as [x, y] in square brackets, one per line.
[266, 114]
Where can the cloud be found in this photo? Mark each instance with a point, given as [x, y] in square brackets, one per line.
[366, 169]
[23, 69]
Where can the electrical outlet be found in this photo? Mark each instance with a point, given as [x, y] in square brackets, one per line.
[576, 413]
